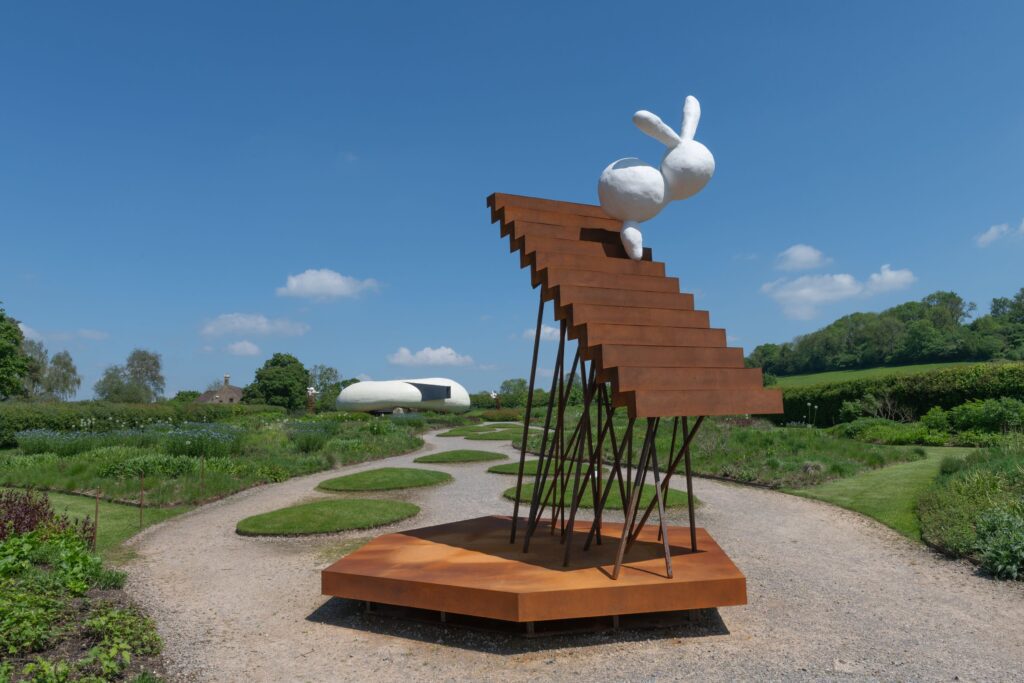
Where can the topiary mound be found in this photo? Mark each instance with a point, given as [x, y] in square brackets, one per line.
[530, 468]
[386, 479]
[326, 516]
[460, 456]
[674, 499]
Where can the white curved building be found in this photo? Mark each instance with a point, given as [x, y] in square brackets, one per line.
[432, 393]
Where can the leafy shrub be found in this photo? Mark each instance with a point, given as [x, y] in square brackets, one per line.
[936, 419]
[1001, 542]
[23, 511]
[309, 437]
[118, 634]
[951, 464]
[952, 509]
[915, 393]
[882, 431]
[97, 416]
[502, 415]
[991, 415]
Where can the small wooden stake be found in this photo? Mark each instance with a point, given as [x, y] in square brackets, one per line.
[142, 495]
[202, 477]
[96, 520]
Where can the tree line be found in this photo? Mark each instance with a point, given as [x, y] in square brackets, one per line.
[938, 328]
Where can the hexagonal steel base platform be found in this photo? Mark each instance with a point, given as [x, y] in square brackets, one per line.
[470, 568]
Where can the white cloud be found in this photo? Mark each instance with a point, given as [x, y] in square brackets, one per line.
[888, 280]
[991, 235]
[547, 333]
[29, 332]
[324, 283]
[442, 355]
[243, 348]
[801, 257]
[36, 335]
[252, 323]
[801, 297]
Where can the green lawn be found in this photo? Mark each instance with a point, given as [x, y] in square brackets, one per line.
[117, 523]
[386, 479]
[458, 456]
[326, 516]
[529, 469]
[792, 381]
[888, 494]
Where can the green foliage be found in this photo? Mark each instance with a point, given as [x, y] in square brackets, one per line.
[326, 516]
[991, 415]
[908, 395]
[327, 382]
[186, 396]
[310, 437]
[1000, 544]
[964, 502]
[96, 416]
[139, 380]
[881, 431]
[513, 393]
[460, 456]
[501, 414]
[14, 363]
[385, 479]
[117, 634]
[280, 382]
[928, 331]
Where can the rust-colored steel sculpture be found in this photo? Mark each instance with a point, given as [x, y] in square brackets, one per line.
[640, 345]
[640, 352]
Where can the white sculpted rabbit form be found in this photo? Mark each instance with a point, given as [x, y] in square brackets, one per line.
[634, 192]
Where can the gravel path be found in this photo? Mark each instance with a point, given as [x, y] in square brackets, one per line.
[833, 595]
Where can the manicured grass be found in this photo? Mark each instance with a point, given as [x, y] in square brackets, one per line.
[386, 479]
[792, 381]
[460, 456]
[117, 523]
[888, 494]
[674, 499]
[529, 468]
[499, 435]
[326, 516]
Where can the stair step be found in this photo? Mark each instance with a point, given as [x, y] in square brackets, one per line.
[647, 335]
[540, 261]
[553, 277]
[565, 295]
[533, 243]
[579, 314]
[500, 200]
[511, 214]
[610, 356]
[655, 403]
[688, 379]
[517, 230]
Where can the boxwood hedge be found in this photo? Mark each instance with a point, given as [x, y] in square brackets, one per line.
[945, 387]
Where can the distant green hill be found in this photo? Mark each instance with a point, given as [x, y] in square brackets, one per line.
[866, 373]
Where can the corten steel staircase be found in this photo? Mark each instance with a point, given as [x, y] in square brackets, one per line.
[648, 351]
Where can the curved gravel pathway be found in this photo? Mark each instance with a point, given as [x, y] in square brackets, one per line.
[833, 595]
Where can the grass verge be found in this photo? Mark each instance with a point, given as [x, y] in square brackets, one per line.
[326, 516]
[460, 456]
[385, 479]
[889, 494]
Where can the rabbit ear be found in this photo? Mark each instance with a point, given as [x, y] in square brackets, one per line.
[656, 128]
[691, 117]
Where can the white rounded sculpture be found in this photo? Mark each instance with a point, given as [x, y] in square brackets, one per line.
[634, 191]
[432, 393]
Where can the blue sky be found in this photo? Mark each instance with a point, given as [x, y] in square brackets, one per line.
[165, 167]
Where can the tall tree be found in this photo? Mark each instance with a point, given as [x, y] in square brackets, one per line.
[327, 382]
[62, 378]
[14, 364]
[137, 381]
[144, 370]
[38, 362]
[513, 392]
[282, 381]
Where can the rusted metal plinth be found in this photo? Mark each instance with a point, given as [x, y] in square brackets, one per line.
[469, 569]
